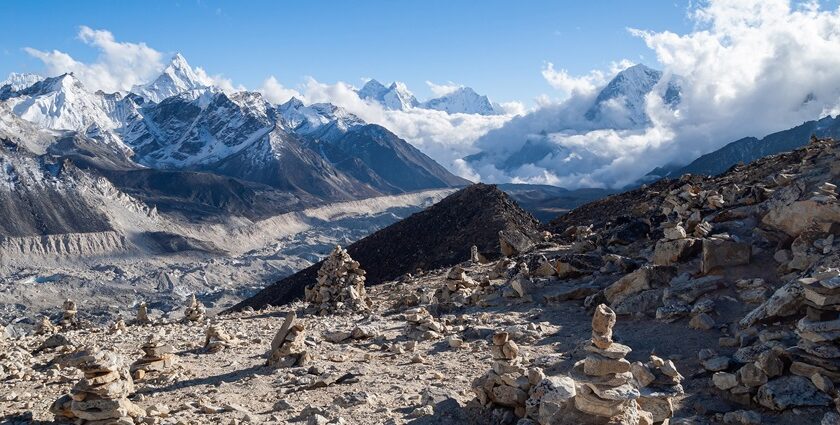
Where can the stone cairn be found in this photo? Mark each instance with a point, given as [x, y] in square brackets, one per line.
[818, 350]
[340, 285]
[157, 357]
[506, 383]
[659, 382]
[101, 396]
[457, 289]
[422, 325]
[216, 339]
[68, 318]
[118, 327]
[195, 311]
[288, 348]
[143, 313]
[45, 327]
[606, 388]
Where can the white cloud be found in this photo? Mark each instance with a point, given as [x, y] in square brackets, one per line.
[119, 66]
[440, 90]
[749, 68]
[569, 85]
[218, 80]
[275, 92]
[444, 137]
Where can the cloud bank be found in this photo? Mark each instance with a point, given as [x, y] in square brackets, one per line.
[750, 67]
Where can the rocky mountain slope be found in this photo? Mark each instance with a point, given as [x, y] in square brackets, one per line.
[750, 148]
[701, 300]
[429, 239]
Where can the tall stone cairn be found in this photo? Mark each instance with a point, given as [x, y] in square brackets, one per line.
[288, 348]
[340, 285]
[606, 388]
[195, 311]
[818, 350]
[157, 357]
[101, 396]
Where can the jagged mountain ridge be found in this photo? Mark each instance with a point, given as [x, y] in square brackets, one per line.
[426, 240]
[240, 135]
[750, 149]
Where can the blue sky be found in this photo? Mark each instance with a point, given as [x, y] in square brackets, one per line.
[497, 47]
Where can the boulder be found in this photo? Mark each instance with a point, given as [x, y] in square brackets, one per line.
[798, 216]
[721, 253]
[668, 252]
[645, 278]
[789, 392]
[786, 301]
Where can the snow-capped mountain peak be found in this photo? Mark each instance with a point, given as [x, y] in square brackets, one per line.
[61, 103]
[463, 100]
[397, 96]
[621, 103]
[17, 82]
[176, 78]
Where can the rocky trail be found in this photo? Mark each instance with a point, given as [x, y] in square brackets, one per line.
[702, 300]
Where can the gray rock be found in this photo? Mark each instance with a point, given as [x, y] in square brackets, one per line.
[789, 392]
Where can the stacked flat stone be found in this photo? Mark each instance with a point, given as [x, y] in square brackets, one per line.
[118, 327]
[818, 350]
[143, 313]
[288, 348]
[506, 383]
[68, 317]
[826, 192]
[101, 396]
[606, 388]
[195, 311]
[157, 357]
[457, 289]
[659, 382]
[422, 325]
[216, 339]
[340, 285]
[45, 327]
[476, 257]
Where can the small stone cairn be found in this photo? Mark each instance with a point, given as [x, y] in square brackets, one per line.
[216, 339]
[101, 396]
[118, 327]
[457, 289]
[340, 285]
[195, 311]
[143, 313]
[525, 390]
[45, 327]
[288, 348]
[157, 357]
[606, 389]
[506, 383]
[68, 318]
[422, 325]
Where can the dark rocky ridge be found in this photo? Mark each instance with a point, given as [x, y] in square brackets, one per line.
[438, 236]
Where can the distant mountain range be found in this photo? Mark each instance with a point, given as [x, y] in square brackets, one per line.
[397, 96]
[190, 147]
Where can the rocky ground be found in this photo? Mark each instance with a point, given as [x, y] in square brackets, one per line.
[694, 301]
